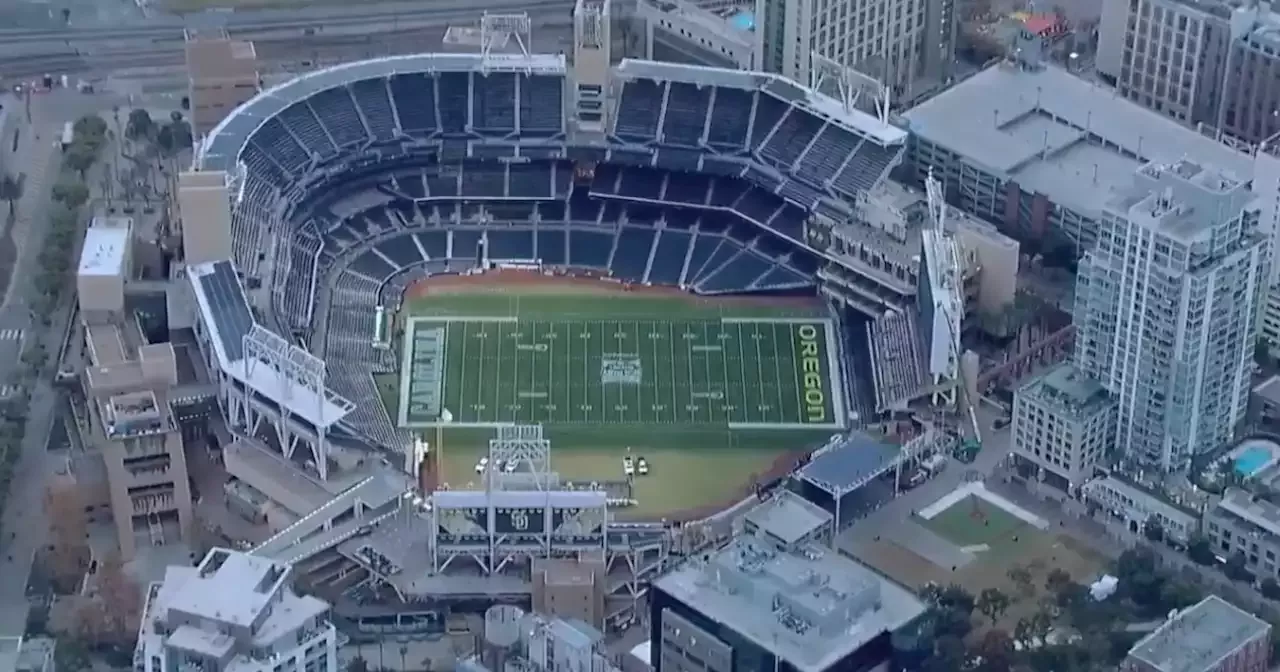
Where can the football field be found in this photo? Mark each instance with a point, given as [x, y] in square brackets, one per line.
[681, 372]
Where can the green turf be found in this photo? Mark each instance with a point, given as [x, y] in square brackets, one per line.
[618, 369]
[974, 521]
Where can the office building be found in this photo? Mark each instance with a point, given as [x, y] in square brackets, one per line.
[1040, 151]
[1166, 310]
[1137, 506]
[1242, 523]
[1063, 425]
[127, 383]
[1211, 63]
[774, 600]
[234, 612]
[899, 43]
[1210, 636]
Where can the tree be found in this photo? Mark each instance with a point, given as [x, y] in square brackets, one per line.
[140, 126]
[358, 664]
[68, 527]
[72, 194]
[79, 158]
[11, 190]
[996, 649]
[1200, 551]
[992, 603]
[1237, 568]
[1153, 530]
[1058, 581]
[1021, 577]
[948, 655]
[949, 597]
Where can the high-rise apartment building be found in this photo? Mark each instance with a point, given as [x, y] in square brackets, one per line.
[1212, 63]
[1167, 310]
[233, 612]
[896, 41]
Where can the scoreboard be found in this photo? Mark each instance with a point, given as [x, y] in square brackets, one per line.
[511, 520]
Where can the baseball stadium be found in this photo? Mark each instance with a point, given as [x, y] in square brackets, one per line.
[452, 262]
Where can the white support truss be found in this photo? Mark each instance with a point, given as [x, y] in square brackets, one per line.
[293, 369]
[499, 33]
[853, 89]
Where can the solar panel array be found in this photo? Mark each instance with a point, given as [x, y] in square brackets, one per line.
[228, 308]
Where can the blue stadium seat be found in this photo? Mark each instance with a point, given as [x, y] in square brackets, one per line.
[641, 183]
[434, 243]
[302, 122]
[465, 243]
[679, 159]
[454, 99]
[401, 250]
[727, 250]
[639, 109]
[551, 245]
[280, 146]
[828, 154]
[742, 232]
[484, 180]
[510, 244]
[768, 113]
[411, 184]
[338, 114]
[867, 166]
[590, 249]
[725, 192]
[541, 105]
[791, 138]
[442, 182]
[686, 114]
[374, 100]
[259, 164]
[372, 266]
[584, 209]
[730, 119]
[758, 206]
[738, 274]
[516, 212]
[681, 218]
[781, 277]
[632, 255]
[493, 102]
[688, 188]
[669, 257]
[704, 246]
[414, 96]
[789, 221]
[715, 222]
[531, 180]
[643, 213]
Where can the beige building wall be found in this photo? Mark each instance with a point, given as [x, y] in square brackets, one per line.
[570, 589]
[204, 208]
[127, 386]
[997, 256]
[223, 74]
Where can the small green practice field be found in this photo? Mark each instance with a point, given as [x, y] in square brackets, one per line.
[974, 521]
[732, 384]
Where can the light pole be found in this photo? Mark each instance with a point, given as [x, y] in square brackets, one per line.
[445, 418]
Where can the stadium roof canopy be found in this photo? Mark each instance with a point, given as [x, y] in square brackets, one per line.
[849, 462]
[1056, 134]
[225, 310]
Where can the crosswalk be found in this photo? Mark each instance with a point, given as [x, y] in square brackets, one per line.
[10, 334]
[7, 391]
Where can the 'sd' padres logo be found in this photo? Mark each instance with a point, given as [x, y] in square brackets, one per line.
[815, 399]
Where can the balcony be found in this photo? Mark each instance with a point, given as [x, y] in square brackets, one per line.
[134, 414]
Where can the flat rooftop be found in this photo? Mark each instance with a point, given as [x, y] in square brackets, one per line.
[105, 248]
[1199, 636]
[1242, 504]
[230, 587]
[1269, 390]
[809, 608]
[1067, 390]
[787, 517]
[1075, 141]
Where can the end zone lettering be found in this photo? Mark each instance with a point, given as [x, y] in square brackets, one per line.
[815, 399]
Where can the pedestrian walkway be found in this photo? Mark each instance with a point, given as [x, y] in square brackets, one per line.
[10, 334]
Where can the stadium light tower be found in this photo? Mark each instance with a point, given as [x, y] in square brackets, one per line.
[592, 43]
[853, 89]
[497, 31]
[446, 417]
[526, 453]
